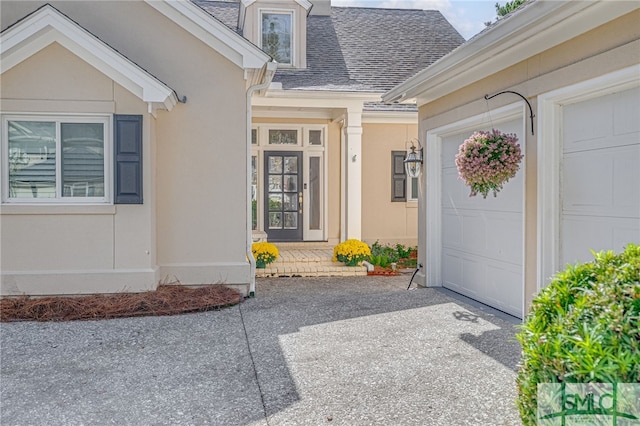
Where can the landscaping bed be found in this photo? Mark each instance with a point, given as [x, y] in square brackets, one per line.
[166, 300]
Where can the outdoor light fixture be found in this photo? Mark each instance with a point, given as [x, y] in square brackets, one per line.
[413, 160]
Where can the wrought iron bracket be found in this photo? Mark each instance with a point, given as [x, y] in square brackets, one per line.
[487, 97]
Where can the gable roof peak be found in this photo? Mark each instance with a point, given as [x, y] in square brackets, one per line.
[47, 25]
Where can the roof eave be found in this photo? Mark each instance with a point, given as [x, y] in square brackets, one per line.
[534, 29]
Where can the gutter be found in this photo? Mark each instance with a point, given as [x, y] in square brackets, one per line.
[267, 71]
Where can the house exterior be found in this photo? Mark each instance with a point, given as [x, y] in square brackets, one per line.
[149, 141]
[576, 67]
[323, 111]
[120, 168]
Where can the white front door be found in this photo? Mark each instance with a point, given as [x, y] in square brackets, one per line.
[600, 175]
[482, 239]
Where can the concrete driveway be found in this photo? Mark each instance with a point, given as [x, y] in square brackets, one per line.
[305, 351]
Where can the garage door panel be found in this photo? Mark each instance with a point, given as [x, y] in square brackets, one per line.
[607, 192]
[504, 237]
[626, 111]
[498, 284]
[600, 186]
[492, 235]
[582, 234]
[455, 195]
[450, 147]
[452, 229]
[584, 126]
[505, 280]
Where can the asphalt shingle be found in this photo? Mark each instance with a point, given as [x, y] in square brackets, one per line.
[360, 49]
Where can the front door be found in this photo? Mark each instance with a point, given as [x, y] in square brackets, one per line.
[283, 195]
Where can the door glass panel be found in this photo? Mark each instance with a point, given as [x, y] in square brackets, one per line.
[291, 220]
[314, 193]
[291, 183]
[275, 183]
[290, 164]
[275, 164]
[275, 202]
[275, 220]
[291, 201]
[283, 137]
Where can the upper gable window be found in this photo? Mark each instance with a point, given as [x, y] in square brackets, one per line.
[277, 36]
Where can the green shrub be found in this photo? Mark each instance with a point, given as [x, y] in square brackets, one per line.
[380, 260]
[583, 328]
[403, 251]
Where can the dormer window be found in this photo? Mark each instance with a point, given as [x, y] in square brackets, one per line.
[277, 37]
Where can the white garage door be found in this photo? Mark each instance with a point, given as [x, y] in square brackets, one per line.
[482, 239]
[600, 188]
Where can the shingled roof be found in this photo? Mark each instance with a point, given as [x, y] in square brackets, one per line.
[360, 49]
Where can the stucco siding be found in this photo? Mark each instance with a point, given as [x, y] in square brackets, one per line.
[383, 220]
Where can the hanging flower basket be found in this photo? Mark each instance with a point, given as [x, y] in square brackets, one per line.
[264, 253]
[487, 160]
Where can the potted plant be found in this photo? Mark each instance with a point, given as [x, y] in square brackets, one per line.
[351, 252]
[487, 160]
[264, 253]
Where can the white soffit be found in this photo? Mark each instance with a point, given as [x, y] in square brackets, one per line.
[47, 25]
[539, 26]
[212, 32]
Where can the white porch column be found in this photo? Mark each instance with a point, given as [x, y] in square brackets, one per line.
[353, 172]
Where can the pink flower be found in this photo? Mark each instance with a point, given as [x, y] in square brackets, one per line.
[487, 160]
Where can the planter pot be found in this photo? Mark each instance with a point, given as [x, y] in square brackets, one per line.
[260, 264]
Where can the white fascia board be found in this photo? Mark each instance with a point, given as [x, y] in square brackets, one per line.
[320, 94]
[390, 117]
[212, 32]
[48, 25]
[536, 28]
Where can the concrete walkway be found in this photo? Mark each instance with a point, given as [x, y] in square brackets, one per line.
[305, 351]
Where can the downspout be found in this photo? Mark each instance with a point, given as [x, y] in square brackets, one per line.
[268, 70]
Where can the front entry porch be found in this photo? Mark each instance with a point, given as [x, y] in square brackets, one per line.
[308, 260]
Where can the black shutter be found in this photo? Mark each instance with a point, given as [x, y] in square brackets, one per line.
[398, 176]
[128, 159]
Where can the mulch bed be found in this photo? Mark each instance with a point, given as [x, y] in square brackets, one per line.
[377, 270]
[166, 300]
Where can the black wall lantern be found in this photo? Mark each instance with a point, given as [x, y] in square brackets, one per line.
[413, 160]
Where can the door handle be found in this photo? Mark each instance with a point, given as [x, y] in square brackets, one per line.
[300, 202]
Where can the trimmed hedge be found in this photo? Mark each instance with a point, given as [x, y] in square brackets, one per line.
[583, 328]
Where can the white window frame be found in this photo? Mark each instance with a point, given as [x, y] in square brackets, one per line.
[293, 35]
[104, 119]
